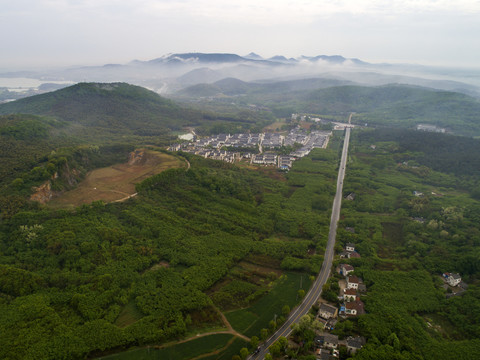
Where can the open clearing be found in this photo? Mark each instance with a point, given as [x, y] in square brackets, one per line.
[118, 181]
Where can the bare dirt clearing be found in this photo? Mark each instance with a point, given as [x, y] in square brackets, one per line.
[118, 181]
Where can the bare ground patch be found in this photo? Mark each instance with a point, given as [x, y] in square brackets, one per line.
[117, 181]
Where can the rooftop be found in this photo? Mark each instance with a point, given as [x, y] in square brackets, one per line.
[328, 308]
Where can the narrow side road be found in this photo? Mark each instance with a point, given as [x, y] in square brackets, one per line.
[316, 290]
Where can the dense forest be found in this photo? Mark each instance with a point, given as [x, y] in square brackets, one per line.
[148, 270]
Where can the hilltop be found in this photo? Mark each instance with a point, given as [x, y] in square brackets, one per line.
[108, 106]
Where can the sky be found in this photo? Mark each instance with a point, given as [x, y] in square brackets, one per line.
[50, 33]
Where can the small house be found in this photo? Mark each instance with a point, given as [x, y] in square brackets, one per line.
[351, 196]
[362, 288]
[355, 308]
[349, 295]
[323, 354]
[353, 255]
[350, 247]
[327, 311]
[346, 269]
[330, 341]
[352, 282]
[452, 279]
[355, 343]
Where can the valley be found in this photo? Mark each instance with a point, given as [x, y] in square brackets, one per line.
[201, 240]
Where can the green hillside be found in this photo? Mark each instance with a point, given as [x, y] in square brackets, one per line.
[398, 105]
[94, 111]
[235, 87]
[389, 105]
[117, 105]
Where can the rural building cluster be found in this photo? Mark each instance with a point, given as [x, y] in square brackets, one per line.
[260, 149]
[351, 286]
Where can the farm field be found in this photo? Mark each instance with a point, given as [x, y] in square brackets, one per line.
[251, 320]
[182, 351]
[116, 182]
[231, 350]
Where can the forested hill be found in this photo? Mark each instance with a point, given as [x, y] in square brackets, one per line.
[400, 106]
[393, 105]
[115, 105]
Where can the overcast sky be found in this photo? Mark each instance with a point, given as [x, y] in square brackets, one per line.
[39, 33]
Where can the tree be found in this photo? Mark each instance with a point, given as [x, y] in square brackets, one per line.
[254, 342]
[272, 325]
[282, 340]
[275, 349]
[264, 334]
[243, 353]
[268, 357]
[301, 293]
[286, 310]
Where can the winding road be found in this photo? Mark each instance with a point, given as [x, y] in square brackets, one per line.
[316, 290]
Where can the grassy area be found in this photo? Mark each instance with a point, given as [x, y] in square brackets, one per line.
[231, 350]
[251, 320]
[117, 181]
[129, 315]
[182, 351]
[276, 126]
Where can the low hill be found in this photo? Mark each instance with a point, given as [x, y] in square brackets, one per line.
[398, 105]
[232, 87]
[118, 106]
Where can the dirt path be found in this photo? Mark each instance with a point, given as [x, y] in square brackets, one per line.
[125, 198]
[216, 352]
[230, 328]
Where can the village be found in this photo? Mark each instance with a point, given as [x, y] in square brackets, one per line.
[351, 287]
[349, 305]
[259, 149]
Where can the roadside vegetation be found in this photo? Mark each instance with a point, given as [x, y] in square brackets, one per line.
[407, 240]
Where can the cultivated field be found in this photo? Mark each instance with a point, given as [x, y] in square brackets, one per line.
[251, 320]
[181, 351]
[117, 182]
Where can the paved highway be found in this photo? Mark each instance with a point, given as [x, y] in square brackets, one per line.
[312, 296]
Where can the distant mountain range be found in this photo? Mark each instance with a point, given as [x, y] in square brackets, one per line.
[171, 73]
[215, 58]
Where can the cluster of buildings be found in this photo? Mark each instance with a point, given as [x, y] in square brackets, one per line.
[430, 128]
[238, 144]
[326, 344]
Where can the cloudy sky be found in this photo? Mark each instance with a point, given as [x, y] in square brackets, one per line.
[41, 33]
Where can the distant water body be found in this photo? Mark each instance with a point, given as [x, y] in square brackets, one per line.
[24, 84]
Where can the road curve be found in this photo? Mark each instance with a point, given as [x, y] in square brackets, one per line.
[314, 293]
